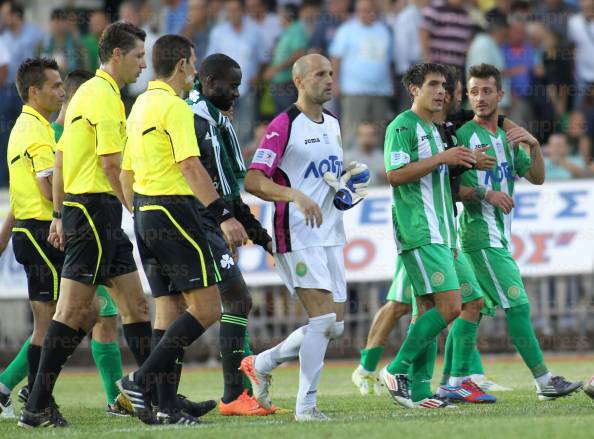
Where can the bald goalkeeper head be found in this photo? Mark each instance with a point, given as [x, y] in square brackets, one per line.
[313, 76]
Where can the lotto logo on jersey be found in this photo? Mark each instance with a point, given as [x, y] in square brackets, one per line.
[498, 173]
[317, 170]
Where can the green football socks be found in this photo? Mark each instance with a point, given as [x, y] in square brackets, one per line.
[108, 359]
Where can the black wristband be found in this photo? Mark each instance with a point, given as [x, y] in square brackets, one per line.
[57, 215]
[219, 210]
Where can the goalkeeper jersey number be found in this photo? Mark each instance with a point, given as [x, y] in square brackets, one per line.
[422, 211]
[481, 224]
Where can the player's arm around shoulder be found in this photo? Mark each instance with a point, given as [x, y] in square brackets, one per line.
[399, 149]
[529, 166]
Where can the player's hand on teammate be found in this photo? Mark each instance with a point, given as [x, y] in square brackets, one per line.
[234, 233]
[484, 161]
[459, 156]
[309, 208]
[518, 135]
[56, 234]
[500, 200]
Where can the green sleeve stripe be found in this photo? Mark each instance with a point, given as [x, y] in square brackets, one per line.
[226, 318]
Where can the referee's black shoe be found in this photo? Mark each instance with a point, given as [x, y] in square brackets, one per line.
[138, 397]
[176, 417]
[196, 409]
[49, 417]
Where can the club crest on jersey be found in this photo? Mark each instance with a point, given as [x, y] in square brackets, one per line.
[317, 170]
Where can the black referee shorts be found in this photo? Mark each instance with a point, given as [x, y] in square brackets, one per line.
[42, 262]
[97, 248]
[181, 248]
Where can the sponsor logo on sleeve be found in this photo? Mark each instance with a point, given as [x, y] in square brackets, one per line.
[264, 157]
[399, 158]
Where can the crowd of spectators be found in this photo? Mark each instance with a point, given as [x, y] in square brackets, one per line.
[544, 48]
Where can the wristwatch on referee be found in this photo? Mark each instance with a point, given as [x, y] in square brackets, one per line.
[57, 215]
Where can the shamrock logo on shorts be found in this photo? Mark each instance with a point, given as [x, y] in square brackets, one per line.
[513, 292]
[465, 289]
[437, 278]
[301, 269]
[227, 261]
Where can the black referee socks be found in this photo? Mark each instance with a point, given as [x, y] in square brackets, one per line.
[182, 333]
[138, 338]
[60, 343]
[33, 357]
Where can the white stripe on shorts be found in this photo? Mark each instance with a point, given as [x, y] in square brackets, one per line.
[428, 288]
[500, 293]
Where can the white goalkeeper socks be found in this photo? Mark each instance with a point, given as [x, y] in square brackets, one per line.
[311, 360]
[286, 350]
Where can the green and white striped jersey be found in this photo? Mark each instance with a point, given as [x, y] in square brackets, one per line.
[422, 212]
[481, 224]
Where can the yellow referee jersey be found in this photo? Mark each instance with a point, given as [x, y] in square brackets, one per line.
[31, 148]
[160, 135]
[95, 125]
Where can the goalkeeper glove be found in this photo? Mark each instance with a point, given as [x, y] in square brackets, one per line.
[351, 187]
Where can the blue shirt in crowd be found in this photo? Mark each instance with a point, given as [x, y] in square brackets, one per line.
[365, 54]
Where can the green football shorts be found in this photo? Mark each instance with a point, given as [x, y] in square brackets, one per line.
[499, 276]
[431, 269]
[401, 288]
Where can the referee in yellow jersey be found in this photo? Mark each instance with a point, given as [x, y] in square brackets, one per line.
[88, 199]
[31, 149]
[171, 188]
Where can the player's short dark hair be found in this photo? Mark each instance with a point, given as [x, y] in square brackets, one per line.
[417, 73]
[485, 71]
[216, 65]
[120, 35]
[452, 78]
[75, 79]
[167, 52]
[31, 73]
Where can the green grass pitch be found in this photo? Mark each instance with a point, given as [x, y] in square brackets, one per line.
[517, 414]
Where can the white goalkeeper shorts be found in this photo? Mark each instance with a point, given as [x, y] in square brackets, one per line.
[320, 268]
